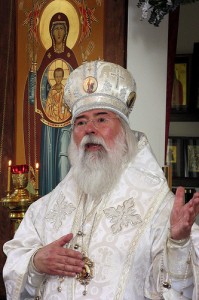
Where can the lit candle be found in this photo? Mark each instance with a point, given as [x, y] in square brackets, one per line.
[37, 176]
[9, 175]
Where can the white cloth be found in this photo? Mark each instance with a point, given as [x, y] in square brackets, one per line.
[128, 243]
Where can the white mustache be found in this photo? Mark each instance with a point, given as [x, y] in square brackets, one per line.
[91, 139]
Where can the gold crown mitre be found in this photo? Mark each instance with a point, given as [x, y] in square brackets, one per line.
[99, 84]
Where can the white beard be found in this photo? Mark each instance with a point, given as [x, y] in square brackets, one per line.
[97, 172]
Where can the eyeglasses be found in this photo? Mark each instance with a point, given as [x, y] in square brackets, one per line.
[99, 122]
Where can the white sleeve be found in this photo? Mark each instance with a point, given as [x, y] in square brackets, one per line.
[176, 264]
[35, 279]
[176, 268]
[20, 282]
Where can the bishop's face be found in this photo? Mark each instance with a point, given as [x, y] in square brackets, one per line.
[97, 151]
[100, 123]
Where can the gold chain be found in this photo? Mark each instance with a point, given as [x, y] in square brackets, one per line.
[28, 133]
[35, 124]
[35, 98]
[29, 104]
[84, 277]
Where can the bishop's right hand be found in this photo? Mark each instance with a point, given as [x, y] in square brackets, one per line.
[54, 259]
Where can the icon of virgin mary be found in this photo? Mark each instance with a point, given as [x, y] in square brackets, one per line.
[53, 124]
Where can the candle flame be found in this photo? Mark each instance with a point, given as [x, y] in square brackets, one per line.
[37, 166]
[9, 163]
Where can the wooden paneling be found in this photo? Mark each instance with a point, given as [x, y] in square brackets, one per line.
[116, 17]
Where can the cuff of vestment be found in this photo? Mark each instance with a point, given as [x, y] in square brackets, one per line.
[179, 257]
[35, 278]
[178, 243]
[32, 268]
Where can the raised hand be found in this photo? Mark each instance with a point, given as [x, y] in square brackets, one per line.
[183, 215]
[54, 259]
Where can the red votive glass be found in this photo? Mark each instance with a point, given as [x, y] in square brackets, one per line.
[19, 169]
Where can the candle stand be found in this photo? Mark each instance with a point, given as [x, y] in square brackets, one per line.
[19, 200]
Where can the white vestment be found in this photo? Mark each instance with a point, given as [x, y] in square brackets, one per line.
[126, 236]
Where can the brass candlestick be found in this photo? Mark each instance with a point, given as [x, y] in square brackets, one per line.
[21, 198]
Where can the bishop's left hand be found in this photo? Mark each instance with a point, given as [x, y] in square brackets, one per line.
[183, 215]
